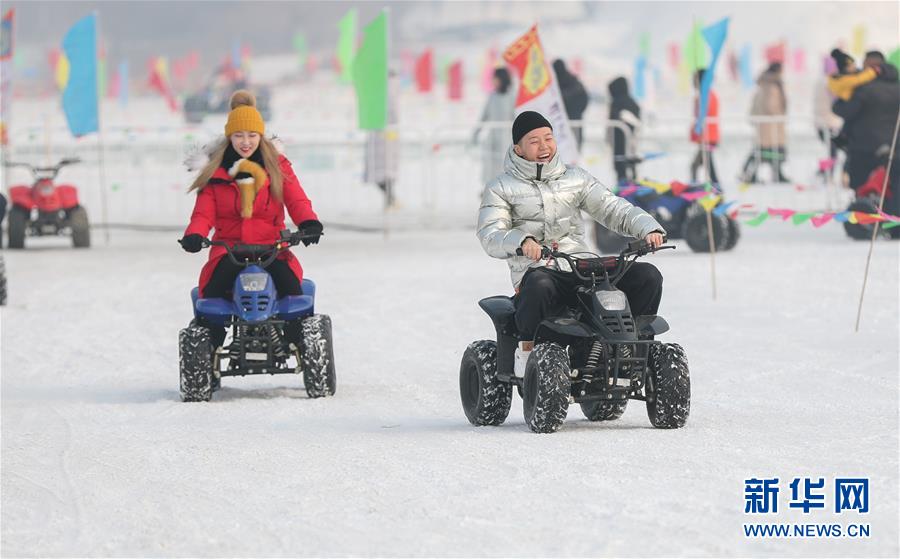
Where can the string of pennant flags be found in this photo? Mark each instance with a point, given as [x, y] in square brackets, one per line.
[711, 201]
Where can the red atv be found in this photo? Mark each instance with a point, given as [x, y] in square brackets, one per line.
[46, 208]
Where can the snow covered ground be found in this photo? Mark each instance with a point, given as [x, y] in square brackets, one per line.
[99, 456]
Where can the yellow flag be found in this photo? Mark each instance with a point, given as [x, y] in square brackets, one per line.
[62, 72]
[709, 202]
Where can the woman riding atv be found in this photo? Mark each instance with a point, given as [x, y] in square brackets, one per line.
[242, 192]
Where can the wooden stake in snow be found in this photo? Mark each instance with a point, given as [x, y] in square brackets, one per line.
[884, 187]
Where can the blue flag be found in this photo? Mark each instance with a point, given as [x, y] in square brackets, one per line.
[80, 96]
[714, 35]
[639, 70]
[123, 83]
[746, 67]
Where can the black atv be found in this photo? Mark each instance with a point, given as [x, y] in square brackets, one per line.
[598, 355]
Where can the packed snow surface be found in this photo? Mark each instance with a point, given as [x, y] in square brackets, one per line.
[100, 456]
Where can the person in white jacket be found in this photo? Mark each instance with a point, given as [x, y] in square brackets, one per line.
[538, 201]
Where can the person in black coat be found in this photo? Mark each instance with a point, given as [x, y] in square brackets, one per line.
[575, 97]
[625, 110]
[870, 116]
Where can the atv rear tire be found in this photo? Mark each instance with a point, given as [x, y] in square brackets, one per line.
[546, 388]
[317, 356]
[603, 411]
[18, 223]
[696, 230]
[81, 227]
[734, 234]
[668, 386]
[863, 232]
[195, 363]
[485, 400]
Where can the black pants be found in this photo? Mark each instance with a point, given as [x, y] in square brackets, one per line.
[698, 162]
[773, 156]
[860, 165]
[625, 171]
[546, 293]
[221, 285]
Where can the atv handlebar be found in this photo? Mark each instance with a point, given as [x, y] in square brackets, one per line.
[52, 170]
[611, 267]
[246, 254]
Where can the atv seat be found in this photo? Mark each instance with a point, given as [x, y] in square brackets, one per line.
[502, 312]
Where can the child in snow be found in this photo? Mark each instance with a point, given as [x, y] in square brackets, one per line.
[242, 192]
[537, 201]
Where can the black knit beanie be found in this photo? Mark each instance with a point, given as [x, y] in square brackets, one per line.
[526, 122]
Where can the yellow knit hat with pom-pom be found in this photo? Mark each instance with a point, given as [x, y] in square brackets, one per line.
[243, 115]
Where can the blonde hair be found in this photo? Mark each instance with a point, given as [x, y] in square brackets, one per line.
[270, 161]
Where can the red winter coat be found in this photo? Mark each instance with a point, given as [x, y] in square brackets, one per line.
[218, 206]
[711, 124]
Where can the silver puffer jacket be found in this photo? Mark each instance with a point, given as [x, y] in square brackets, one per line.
[545, 201]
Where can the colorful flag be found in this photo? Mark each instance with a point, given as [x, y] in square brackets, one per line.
[695, 50]
[455, 81]
[640, 65]
[346, 48]
[775, 52]
[6, 69]
[674, 55]
[746, 66]
[538, 91]
[159, 81]
[300, 48]
[424, 72]
[6, 35]
[799, 60]
[80, 100]
[859, 40]
[487, 70]
[894, 57]
[123, 83]
[370, 75]
[714, 35]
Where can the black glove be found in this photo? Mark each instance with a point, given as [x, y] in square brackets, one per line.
[192, 242]
[312, 229]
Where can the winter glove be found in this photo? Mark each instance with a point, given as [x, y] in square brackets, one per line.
[311, 228]
[192, 242]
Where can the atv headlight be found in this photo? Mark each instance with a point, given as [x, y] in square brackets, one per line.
[254, 282]
[613, 300]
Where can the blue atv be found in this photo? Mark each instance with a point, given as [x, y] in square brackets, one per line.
[681, 218]
[257, 318]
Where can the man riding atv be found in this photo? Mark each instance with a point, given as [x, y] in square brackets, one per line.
[538, 201]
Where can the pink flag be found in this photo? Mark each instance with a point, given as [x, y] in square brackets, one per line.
[783, 214]
[455, 81]
[799, 60]
[775, 52]
[487, 71]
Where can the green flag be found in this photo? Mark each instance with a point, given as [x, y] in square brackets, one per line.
[894, 57]
[758, 219]
[346, 48]
[694, 51]
[370, 75]
[300, 47]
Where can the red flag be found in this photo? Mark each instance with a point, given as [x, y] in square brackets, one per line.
[775, 53]
[424, 72]
[455, 81]
[674, 55]
[114, 86]
[157, 81]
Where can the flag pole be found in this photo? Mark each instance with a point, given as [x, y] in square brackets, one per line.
[884, 187]
[706, 164]
[100, 144]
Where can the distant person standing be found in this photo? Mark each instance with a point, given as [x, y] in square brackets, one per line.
[381, 151]
[708, 139]
[575, 97]
[500, 108]
[769, 107]
[624, 114]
